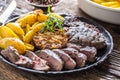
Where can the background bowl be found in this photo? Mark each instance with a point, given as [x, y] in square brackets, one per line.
[100, 12]
[41, 5]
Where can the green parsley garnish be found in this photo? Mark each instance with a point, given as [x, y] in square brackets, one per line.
[54, 22]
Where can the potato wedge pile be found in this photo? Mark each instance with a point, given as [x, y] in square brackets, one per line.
[19, 34]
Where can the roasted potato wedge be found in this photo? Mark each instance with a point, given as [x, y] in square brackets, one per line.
[16, 43]
[34, 25]
[27, 28]
[42, 17]
[16, 28]
[27, 19]
[38, 27]
[29, 46]
[28, 37]
[7, 32]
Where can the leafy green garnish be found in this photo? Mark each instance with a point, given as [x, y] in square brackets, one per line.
[53, 23]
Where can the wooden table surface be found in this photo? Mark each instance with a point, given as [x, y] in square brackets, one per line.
[108, 70]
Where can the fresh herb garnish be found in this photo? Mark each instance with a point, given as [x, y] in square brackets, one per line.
[54, 22]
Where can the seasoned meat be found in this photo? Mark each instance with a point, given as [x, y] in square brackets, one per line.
[75, 46]
[53, 59]
[84, 33]
[11, 54]
[80, 60]
[38, 63]
[50, 40]
[78, 57]
[69, 63]
[90, 52]
[86, 36]
[25, 62]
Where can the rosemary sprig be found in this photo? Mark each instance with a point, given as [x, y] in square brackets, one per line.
[53, 23]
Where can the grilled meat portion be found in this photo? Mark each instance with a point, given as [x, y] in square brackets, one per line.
[38, 63]
[25, 62]
[90, 52]
[83, 33]
[75, 46]
[50, 40]
[53, 59]
[80, 58]
[86, 37]
[69, 63]
[11, 54]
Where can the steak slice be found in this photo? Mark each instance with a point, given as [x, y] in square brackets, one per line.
[69, 63]
[25, 62]
[38, 63]
[90, 52]
[11, 54]
[78, 57]
[81, 60]
[53, 59]
[75, 46]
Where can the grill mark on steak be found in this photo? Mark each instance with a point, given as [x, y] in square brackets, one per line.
[69, 63]
[53, 59]
[39, 64]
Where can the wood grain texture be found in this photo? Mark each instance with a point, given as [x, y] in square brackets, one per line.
[108, 70]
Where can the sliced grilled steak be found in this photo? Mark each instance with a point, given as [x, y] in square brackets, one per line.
[11, 54]
[25, 62]
[90, 52]
[81, 60]
[69, 63]
[75, 46]
[53, 59]
[78, 57]
[38, 63]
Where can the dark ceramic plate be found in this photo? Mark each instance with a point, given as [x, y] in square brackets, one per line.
[101, 56]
